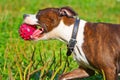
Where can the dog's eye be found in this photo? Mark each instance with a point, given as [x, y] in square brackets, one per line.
[38, 14]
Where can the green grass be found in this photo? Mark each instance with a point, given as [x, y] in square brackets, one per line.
[22, 60]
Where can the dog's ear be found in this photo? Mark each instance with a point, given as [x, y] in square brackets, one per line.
[67, 11]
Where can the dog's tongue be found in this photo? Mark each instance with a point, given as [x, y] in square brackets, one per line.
[37, 33]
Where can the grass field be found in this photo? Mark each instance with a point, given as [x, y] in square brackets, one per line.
[44, 60]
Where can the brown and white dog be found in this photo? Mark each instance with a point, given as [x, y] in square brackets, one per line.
[97, 47]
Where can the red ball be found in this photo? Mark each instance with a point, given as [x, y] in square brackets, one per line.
[26, 31]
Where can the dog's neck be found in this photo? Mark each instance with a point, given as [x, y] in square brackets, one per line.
[64, 32]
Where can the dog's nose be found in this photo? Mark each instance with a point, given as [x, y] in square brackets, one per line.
[25, 15]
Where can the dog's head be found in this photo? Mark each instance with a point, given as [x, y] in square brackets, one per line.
[49, 18]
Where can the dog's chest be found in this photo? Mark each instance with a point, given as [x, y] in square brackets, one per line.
[78, 52]
[79, 55]
[81, 59]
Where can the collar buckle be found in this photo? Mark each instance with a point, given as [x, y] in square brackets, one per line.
[71, 43]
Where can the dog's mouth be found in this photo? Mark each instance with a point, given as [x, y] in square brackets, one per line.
[33, 21]
[39, 32]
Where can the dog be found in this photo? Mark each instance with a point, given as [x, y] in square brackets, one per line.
[97, 45]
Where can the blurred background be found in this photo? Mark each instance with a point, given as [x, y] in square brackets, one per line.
[44, 60]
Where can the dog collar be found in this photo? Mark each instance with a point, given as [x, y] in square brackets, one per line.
[73, 41]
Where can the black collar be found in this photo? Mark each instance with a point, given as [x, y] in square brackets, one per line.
[72, 42]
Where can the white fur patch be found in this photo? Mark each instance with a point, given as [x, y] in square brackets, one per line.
[61, 32]
[31, 19]
[78, 52]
